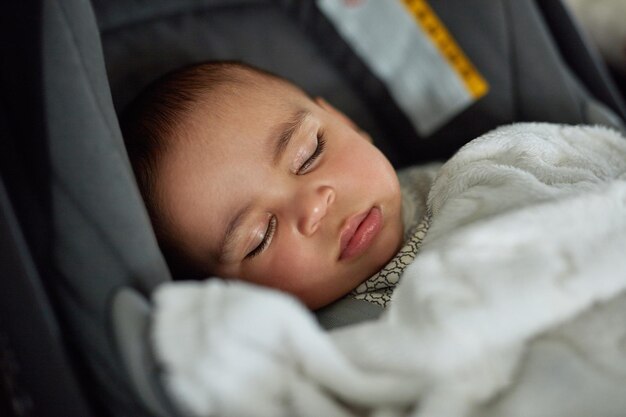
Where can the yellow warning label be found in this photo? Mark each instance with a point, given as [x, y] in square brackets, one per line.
[447, 46]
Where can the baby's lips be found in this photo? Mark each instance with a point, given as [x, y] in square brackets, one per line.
[360, 232]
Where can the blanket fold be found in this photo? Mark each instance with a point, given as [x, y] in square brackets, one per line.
[524, 259]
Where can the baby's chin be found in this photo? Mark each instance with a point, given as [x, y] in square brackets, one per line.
[388, 248]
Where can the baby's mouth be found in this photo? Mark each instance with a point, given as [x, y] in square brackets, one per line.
[359, 232]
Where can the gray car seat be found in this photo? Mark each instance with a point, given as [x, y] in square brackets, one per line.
[78, 258]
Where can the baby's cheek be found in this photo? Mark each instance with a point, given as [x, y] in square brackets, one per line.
[294, 268]
[364, 162]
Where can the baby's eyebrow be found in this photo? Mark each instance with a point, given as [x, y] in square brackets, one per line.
[286, 132]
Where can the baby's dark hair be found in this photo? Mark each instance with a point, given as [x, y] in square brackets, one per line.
[154, 120]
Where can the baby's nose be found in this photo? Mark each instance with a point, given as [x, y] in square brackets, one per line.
[314, 207]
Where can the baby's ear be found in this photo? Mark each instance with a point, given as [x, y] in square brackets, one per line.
[338, 113]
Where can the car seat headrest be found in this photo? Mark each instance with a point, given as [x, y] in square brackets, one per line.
[76, 181]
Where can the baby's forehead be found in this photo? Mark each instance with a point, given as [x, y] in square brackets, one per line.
[241, 82]
[256, 85]
[244, 110]
[236, 125]
[222, 143]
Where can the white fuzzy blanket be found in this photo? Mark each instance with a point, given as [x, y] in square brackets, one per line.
[513, 307]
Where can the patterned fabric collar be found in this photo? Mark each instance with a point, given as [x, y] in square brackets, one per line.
[379, 287]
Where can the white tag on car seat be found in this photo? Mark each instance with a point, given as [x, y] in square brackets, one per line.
[408, 48]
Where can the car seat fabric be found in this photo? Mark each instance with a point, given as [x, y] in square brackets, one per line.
[83, 205]
[582, 55]
[102, 235]
[26, 315]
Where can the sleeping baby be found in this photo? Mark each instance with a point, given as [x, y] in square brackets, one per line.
[246, 177]
[521, 269]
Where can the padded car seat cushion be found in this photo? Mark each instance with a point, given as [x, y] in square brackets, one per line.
[97, 233]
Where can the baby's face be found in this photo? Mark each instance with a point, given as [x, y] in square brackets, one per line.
[278, 190]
